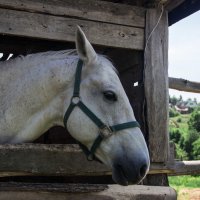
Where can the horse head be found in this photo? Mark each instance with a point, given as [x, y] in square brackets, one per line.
[99, 90]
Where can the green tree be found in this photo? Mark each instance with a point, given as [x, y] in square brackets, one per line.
[191, 137]
[173, 100]
[180, 153]
[196, 149]
[194, 121]
[173, 112]
[175, 135]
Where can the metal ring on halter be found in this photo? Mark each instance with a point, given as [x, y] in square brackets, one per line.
[90, 157]
[75, 100]
[105, 132]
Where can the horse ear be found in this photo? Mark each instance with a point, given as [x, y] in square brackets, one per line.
[84, 48]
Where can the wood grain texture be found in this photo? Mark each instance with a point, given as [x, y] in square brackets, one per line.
[110, 192]
[184, 85]
[156, 84]
[64, 160]
[83, 9]
[47, 160]
[172, 4]
[34, 25]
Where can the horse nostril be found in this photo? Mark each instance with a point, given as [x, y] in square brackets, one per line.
[143, 170]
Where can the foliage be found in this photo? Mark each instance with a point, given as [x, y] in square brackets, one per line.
[181, 154]
[194, 121]
[175, 135]
[173, 112]
[196, 149]
[191, 137]
[184, 133]
[173, 100]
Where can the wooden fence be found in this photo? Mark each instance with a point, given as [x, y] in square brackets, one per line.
[64, 160]
[184, 85]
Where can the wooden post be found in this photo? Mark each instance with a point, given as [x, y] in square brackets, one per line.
[156, 83]
[156, 89]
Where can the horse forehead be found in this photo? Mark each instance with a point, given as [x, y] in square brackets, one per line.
[104, 76]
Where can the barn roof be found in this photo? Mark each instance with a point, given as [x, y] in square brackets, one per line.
[178, 9]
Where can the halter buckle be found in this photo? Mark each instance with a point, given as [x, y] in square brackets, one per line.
[75, 100]
[105, 132]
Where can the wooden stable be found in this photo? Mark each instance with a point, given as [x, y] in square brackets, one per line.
[134, 34]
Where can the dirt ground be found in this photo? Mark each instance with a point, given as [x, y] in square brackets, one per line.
[189, 194]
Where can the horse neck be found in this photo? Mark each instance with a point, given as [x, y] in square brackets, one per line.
[45, 78]
[57, 77]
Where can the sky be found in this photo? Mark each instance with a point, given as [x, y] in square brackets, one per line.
[184, 52]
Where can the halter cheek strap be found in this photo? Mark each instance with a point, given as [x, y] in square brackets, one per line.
[104, 130]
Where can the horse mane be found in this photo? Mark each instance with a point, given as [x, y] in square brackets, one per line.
[42, 57]
[38, 58]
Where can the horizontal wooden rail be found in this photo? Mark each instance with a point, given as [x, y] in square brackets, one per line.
[177, 168]
[58, 191]
[64, 160]
[184, 85]
[97, 10]
[104, 23]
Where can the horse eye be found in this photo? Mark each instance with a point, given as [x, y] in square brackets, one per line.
[110, 95]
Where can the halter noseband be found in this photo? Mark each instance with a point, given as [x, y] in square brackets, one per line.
[104, 130]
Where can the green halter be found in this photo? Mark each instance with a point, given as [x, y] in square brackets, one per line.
[104, 130]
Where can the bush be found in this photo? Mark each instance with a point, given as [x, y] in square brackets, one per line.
[191, 137]
[180, 153]
[173, 112]
[179, 120]
[194, 121]
[175, 135]
[196, 149]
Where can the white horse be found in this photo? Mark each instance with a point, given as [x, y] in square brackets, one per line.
[36, 90]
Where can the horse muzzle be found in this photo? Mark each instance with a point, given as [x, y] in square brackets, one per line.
[130, 171]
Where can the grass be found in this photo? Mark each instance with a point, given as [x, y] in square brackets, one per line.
[183, 182]
[184, 185]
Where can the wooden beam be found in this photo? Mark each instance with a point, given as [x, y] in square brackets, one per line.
[177, 168]
[185, 168]
[185, 9]
[156, 84]
[49, 27]
[56, 191]
[94, 10]
[172, 4]
[47, 160]
[184, 85]
[64, 160]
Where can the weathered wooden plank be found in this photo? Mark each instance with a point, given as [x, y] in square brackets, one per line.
[185, 9]
[64, 160]
[156, 84]
[83, 9]
[172, 4]
[47, 160]
[185, 168]
[184, 85]
[176, 168]
[52, 187]
[68, 192]
[20, 23]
